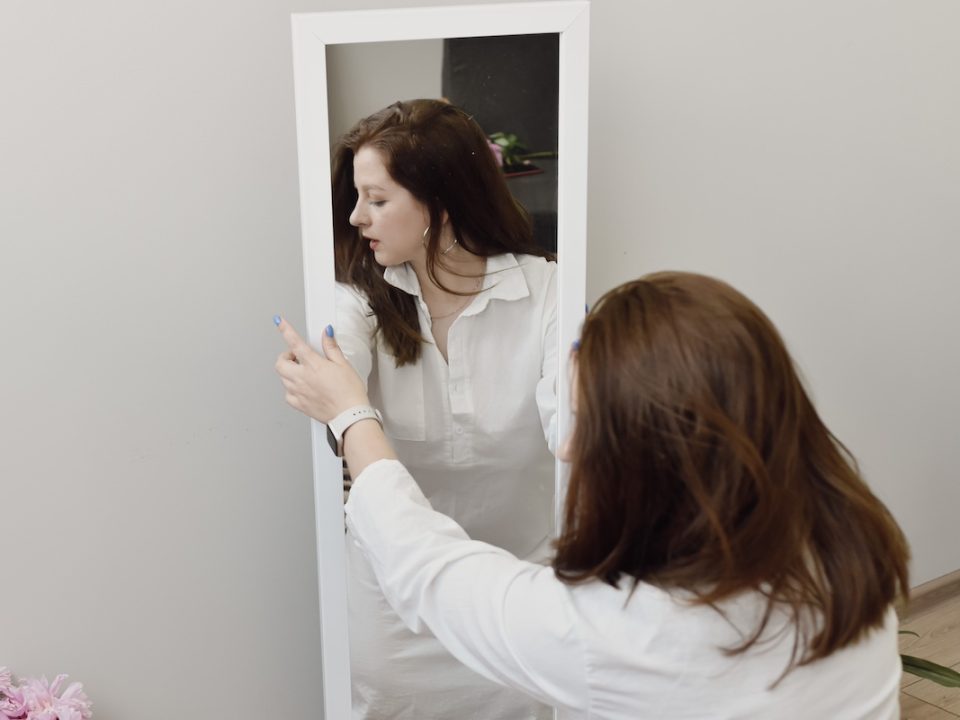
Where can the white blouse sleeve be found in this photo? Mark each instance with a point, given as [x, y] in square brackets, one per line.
[509, 620]
[355, 329]
[546, 391]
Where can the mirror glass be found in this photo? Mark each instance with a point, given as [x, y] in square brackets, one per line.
[475, 422]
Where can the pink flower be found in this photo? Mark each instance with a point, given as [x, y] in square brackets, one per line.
[40, 700]
[497, 152]
[12, 704]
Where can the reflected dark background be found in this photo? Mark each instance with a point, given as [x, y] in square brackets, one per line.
[511, 84]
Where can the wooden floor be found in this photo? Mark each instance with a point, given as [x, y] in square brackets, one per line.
[935, 617]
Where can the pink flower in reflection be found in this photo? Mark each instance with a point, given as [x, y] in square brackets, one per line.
[497, 152]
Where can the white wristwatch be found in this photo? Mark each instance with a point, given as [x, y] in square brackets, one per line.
[338, 426]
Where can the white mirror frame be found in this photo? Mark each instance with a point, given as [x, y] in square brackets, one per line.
[312, 32]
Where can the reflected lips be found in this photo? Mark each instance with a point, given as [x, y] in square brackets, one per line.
[374, 243]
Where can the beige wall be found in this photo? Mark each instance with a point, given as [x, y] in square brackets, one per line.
[157, 526]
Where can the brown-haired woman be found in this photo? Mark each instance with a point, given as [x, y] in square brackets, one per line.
[438, 272]
[721, 556]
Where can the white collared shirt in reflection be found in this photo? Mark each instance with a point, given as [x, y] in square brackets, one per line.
[478, 429]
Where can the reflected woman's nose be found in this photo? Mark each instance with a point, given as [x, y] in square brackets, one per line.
[356, 218]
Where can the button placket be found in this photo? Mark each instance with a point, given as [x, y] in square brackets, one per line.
[461, 402]
[458, 390]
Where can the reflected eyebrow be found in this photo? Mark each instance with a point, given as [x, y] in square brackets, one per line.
[368, 188]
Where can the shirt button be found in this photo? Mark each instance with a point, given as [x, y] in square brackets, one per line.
[459, 430]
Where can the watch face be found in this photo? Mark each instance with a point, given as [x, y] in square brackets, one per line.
[332, 439]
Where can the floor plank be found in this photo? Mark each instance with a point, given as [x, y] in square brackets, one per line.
[943, 697]
[938, 627]
[939, 631]
[912, 708]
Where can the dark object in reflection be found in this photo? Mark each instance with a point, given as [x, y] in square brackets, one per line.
[512, 83]
[528, 168]
[538, 194]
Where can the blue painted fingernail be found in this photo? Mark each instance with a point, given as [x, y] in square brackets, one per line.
[276, 319]
[329, 331]
[586, 308]
[576, 345]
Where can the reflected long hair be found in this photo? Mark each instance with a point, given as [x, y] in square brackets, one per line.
[699, 463]
[441, 156]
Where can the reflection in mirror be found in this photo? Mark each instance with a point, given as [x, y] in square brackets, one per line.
[447, 306]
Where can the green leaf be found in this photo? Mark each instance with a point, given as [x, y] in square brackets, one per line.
[909, 632]
[930, 671]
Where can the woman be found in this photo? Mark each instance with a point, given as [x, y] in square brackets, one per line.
[721, 557]
[436, 269]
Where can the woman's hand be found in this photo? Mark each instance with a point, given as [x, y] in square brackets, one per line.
[318, 386]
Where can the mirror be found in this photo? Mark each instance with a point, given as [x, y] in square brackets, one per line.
[462, 54]
[471, 416]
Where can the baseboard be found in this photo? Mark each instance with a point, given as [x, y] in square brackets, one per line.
[930, 594]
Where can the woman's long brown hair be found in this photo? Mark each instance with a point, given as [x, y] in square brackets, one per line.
[441, 156]
[699, 463]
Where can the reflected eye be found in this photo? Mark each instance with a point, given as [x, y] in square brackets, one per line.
[378, 203]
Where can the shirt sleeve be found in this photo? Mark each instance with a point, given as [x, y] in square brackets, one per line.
[508, 620]
[355, 330]
[546, 390]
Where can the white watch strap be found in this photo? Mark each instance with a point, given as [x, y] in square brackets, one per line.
[338, 426]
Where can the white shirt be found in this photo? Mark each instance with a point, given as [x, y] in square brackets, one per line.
[592, 650]
[478, 428]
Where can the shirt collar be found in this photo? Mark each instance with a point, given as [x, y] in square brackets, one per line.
[504, 281]
[403, 277]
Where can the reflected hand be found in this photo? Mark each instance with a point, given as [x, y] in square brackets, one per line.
[320, 387]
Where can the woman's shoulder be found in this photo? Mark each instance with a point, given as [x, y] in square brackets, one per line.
[347, 295]
[353, 307]
[536, 263]
[538, 271]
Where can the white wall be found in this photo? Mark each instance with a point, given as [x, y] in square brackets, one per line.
[364, 77]
[157, 528]
[807, 152]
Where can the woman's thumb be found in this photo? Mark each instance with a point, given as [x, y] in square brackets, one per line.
[330, 347]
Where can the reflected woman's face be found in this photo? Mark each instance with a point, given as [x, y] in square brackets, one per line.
[390, 219]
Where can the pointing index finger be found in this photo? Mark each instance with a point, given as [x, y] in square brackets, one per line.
[298, 346]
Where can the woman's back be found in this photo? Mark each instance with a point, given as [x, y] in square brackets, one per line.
[660, 657]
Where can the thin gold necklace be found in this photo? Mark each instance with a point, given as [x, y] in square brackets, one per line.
[463, 305]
